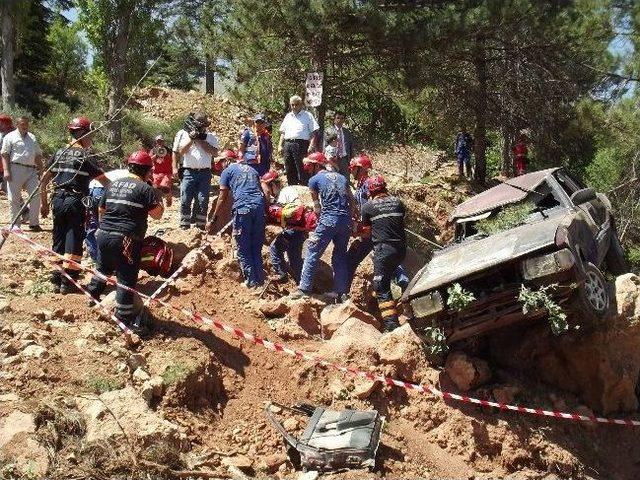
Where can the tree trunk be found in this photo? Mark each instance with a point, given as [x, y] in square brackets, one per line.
[8, 46]
[117, 80]
[209, 75]
[480, 111]
[507, 137]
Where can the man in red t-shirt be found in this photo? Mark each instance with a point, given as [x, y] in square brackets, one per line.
[162, 168]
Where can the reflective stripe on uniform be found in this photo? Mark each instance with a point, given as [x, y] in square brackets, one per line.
[70, 170]
[385, 215]
[387, 304]
[124, 202]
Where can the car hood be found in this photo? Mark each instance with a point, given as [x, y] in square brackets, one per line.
[477, 254]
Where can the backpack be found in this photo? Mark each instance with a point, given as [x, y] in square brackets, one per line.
[332, 440]
[156, 257]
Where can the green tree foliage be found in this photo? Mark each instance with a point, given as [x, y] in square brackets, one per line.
[124, 34]
[67, 66]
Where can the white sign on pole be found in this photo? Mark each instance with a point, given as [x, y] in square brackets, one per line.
[313, 88]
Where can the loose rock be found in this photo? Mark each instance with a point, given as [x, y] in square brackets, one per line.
[332, 316]
[466, 372]
[35, 351]
[403, 349]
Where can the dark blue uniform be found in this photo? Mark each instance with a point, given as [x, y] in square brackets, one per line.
[360, 248]
[385, 216]
[248, 218]
[124, 206]
[72, 170]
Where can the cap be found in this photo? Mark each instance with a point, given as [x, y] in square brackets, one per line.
[260, 118]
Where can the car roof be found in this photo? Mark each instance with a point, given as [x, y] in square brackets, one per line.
[502, 194]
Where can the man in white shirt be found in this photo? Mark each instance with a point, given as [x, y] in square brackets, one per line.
[298, 136]
[198, 149]
[22, 162]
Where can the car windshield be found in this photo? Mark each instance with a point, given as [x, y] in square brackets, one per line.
[509, 216]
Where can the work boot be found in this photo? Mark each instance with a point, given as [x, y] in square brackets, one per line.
[56, 281]
[68, 286]
[141, 324]
[390, 325]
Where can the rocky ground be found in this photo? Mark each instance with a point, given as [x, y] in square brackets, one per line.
[187, 402]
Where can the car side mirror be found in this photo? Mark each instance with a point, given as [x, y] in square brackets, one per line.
[583, 196]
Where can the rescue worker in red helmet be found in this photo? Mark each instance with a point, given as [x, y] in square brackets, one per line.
[335, 206]
[360, 167]
[384, 215]
[124, 208]
[290, 240]
[70, 170]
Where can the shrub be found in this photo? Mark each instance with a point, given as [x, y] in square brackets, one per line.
[458, 298]
[509, 217]
[535, 300]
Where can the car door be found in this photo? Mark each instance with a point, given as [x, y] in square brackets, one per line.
[595, 211]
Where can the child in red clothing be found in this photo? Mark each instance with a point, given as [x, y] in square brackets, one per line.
[162, 168]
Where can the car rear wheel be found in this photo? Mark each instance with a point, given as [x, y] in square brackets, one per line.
[615, 259]
[593, 298]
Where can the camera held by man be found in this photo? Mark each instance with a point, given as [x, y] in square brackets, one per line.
[196, 126]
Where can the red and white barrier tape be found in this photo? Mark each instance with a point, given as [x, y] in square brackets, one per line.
[95, 303]
[277, 347]
[174, 276]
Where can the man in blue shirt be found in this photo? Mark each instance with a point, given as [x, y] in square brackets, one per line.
[335, 206]
[255, 146]
[462, 149]
[248, 217]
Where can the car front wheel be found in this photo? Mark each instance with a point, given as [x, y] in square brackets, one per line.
[593, 298]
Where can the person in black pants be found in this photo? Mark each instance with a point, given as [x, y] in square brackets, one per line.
[72, 169]
[384, 215]
[298, 136]
[124, 209]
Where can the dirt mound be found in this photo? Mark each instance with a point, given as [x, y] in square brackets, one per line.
[54, 350]
[167, 104]
[601, 366]
[193, 381]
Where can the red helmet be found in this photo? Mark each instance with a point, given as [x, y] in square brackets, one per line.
[7, 120]
[270, 176]
[141, 157]
[360, 161]
[79, 123]
[376, 184]
[315, 158]
[229, 154]
[223, 160]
